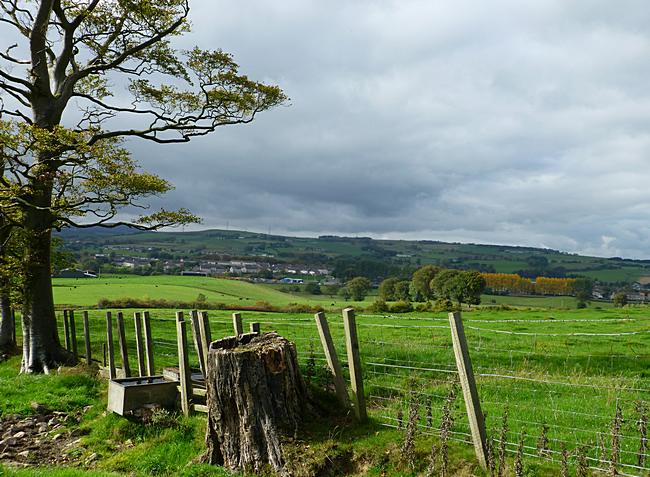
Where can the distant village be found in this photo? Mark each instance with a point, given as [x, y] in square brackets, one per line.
[145, 263]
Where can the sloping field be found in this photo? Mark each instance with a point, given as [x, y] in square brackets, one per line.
[88, 291]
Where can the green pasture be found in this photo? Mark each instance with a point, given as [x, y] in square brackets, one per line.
[566, 369]
[549, 364]
[88, 291]
[539, 301]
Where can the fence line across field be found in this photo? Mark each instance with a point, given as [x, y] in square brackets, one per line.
[392, 354]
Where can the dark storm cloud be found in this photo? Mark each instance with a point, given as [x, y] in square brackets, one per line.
[504, 122]
[511, 122]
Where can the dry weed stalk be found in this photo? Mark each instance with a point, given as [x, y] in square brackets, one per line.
[519, 464]
[431, 469]
[543, 449]
[408, 448]
[491, 465]
[564, 460]
[430, 413]
[582, 467]
[400, 418]
[602, 450]
[617, 423]
[642, 425]
[503, 437]
[446, 424]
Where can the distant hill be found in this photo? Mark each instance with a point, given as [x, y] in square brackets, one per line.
[97, 231]
[334, 251]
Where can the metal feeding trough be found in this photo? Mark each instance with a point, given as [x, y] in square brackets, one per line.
[129, 394]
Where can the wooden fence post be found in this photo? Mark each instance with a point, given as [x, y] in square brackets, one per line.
[137, 321]
[198, 340]
[184, 371]
[468, 384]
[255, 327]
[87, 338]
[237, 324]
[206, 335]
[73, 336]
[354, 362]
[123, 347]
[148, 344]
[66, 329]
[332, 358]
[111, 349]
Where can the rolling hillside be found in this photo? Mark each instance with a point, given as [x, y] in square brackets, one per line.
[326, 250]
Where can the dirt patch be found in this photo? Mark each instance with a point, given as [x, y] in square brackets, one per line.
[41, 439]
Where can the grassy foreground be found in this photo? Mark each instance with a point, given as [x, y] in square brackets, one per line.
[564, 370]
[172, 445]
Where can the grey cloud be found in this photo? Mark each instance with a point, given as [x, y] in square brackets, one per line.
[501, 122]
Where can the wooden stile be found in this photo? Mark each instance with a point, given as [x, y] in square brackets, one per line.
[73, 335]
[87, 337]
[148, 343]
[123, 345]
[206, 335]
[137, 321]
[183, 364]
[354, 362]
[332, 358]
[468, 384]
[111, 349]
[196, 334]
[255, 327]
[237, 324]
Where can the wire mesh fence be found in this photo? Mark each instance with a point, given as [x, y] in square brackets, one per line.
[574, 390]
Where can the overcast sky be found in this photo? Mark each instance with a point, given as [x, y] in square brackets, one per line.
[524, 123]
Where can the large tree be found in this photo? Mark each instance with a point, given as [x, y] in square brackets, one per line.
[62, 127]
[464, 286]
[421, 282]
[7, 342]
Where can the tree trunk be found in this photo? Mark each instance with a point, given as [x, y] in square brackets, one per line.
[255, 396]
[42, 349]
[7, 342]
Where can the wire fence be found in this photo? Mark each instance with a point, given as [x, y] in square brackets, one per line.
[573, 389]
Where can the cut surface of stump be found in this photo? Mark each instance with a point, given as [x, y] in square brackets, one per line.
[255, 397]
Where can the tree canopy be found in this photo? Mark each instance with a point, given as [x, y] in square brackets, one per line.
[358, 288]
[422, 282]
[63, 124]
[464, 286]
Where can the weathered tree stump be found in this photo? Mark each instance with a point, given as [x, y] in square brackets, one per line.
[255, 397]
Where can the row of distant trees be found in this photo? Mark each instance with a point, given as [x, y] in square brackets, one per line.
[427, 283]
[431, 282]
[462, 286]
[511, 283]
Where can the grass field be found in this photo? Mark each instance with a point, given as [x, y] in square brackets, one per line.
[87, 292]
[563, 370]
